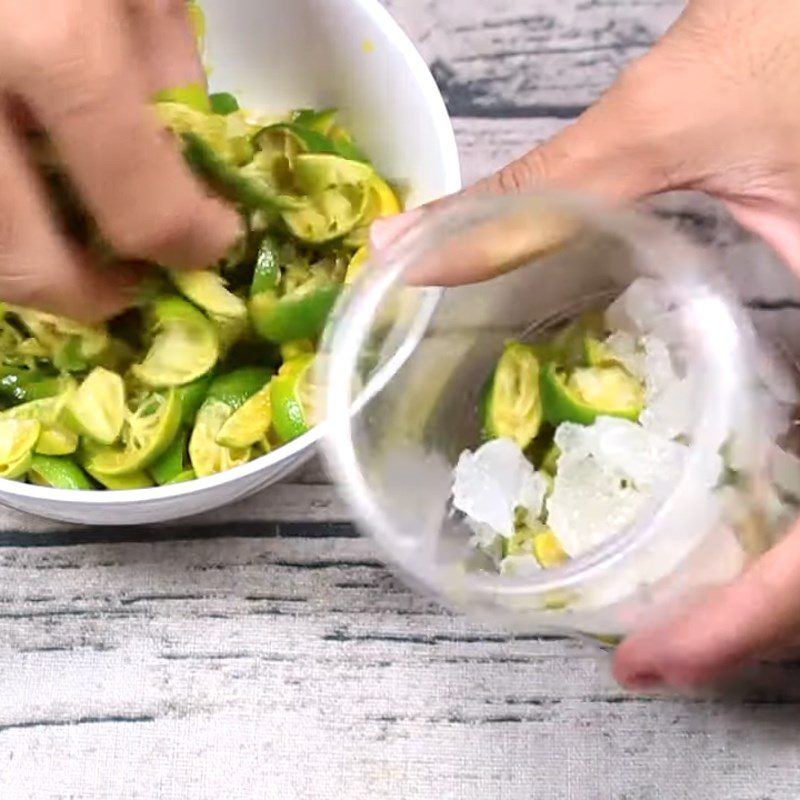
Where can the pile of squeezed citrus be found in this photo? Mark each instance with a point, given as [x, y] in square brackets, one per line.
[213, 368]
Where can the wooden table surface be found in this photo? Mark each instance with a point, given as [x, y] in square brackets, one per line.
[234, 657]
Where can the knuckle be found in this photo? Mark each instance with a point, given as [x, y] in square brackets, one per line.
[66, 61]
[644, 96]
[523, 174]
[35, 47]
[78, 84]
[514, 178]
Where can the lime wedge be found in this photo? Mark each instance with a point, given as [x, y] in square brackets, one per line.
[298, 347]
[247, 187]
[48, 411]
[194, 95]
[267, 272]
[173, 462]
[184, 120]
[597, 353]
[70, 345]
[539, 541]
[236, 387]
[184, 477]
[207, 290]
[336, 191]
[191, 396]
[60, 473]
[550, 460]
[567, 348]
[57, 441]
[590, 392]
[208, 457]
[382, 201]
[293, 399]
[24, 385]
[185, 345]
[301, 314]
[318, 172]
[548, 550]
[122, 483]
[610, 390]
[320, 121]
[97, 409]
[146, 434]
[55, 437]
[356, 264]
[250, 423]
[223, 103]
[512, 407]
[17, 439]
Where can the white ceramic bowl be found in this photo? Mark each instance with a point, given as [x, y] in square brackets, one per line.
[277, 55]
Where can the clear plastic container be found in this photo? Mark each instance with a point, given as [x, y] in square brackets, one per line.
[404, 369]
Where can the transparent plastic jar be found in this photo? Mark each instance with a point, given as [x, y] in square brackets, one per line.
[404, 369]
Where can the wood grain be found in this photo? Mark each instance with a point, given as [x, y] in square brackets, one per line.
[521, 58]
[264, 651]
[294, 663]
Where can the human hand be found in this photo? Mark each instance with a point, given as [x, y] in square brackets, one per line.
[714, 107]
[85, 72]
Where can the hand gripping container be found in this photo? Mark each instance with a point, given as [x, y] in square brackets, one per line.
[404, 368]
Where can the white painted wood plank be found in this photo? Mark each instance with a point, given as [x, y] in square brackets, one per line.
[310, 745]
[174, 669]
[530, 57]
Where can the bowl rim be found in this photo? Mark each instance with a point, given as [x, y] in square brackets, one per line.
[435, 106]
[434, 100]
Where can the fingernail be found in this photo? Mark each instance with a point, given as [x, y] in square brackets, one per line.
[385, 230]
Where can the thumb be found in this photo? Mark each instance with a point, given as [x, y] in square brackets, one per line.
[593, 155]
[606, 152]
[750, 618]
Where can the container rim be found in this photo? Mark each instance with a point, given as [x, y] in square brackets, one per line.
[356, 313]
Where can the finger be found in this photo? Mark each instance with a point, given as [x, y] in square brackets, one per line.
[37, 267]
[757, 614]
[486, 248]
[591, 156]
[164, 44]
[82, 87]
